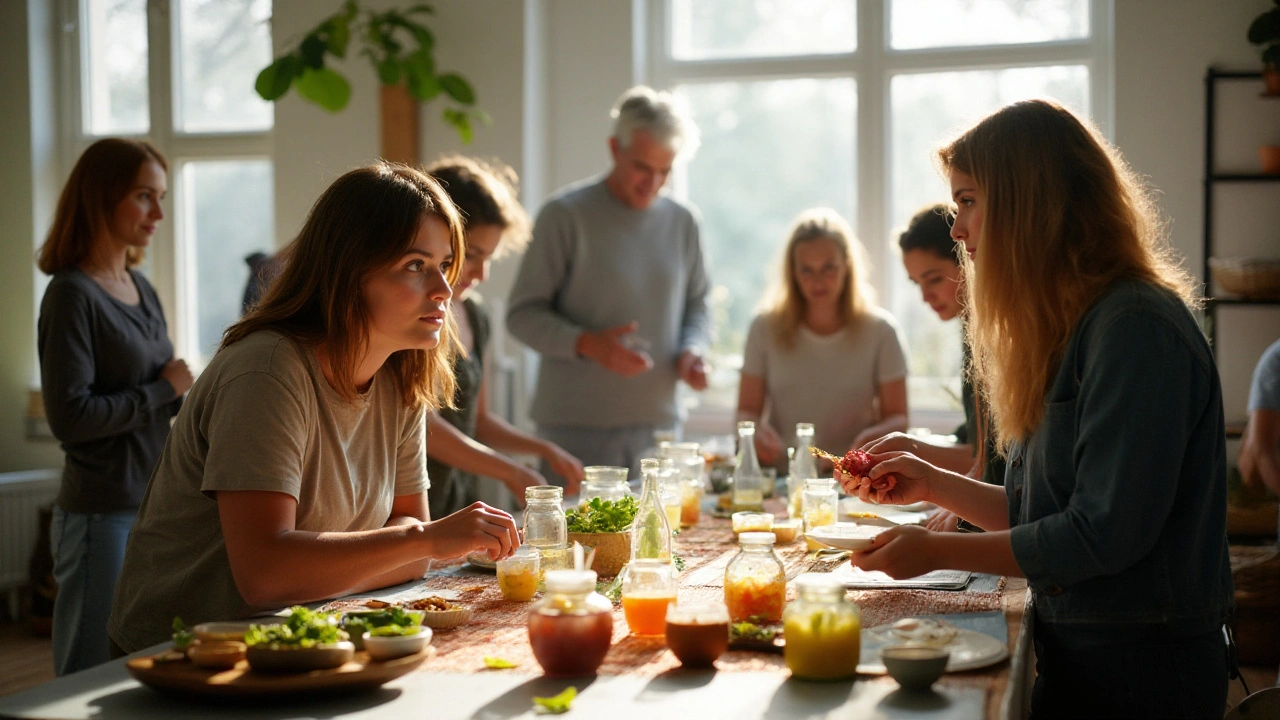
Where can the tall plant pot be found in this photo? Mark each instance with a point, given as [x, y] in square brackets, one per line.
[399, 114]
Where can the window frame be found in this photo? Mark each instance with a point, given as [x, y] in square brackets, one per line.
[873, 66]
[171, 257]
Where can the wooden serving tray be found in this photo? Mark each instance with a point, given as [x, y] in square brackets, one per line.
[185, 678]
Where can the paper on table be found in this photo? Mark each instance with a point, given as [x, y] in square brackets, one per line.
[859, 579]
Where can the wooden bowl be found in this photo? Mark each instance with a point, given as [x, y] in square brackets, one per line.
[613, 550]
[265, 658]
[216, 654]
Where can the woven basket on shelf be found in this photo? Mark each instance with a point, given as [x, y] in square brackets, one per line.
[1256, 573]
[1253, 278]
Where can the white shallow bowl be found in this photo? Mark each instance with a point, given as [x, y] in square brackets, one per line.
[846, 536]
[390, 647]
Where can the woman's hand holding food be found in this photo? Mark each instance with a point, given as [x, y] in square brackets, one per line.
[896, 478]
[475, 528]
[904, 551]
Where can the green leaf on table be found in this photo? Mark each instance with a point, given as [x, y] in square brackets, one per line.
[558, 704]
[497, 663]
[325, 88]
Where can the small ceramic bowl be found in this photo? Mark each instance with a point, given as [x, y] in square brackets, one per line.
[216, 654]
[264, 658]
[786, 530]
[390, 647]
[915, 667]
[446, 619]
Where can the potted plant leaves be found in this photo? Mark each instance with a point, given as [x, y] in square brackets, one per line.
[1264, 32]
[400, 47]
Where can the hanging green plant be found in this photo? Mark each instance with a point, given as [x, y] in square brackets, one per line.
[395, 42]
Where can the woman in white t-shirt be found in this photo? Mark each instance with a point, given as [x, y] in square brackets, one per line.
[296, 470]
[821, 351]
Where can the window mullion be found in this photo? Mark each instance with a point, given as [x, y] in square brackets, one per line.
[872, 134]
[165, 253]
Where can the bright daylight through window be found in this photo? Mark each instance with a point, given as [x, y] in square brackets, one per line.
[840, 103]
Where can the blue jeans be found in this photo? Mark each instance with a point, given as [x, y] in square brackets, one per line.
[88, 550]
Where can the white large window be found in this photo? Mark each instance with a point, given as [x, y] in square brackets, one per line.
[840, 103]
[180, 73]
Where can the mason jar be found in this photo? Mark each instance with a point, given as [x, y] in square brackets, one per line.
[606, 482]
[545, 528]
[755, 582]
[819, 502]
[823, 630]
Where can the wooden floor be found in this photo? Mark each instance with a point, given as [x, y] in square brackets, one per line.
[27, 661]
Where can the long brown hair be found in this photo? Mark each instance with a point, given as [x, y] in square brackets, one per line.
[1064, 218]
[485, 194]
[100, 180]
[366, 220]
[786, 304]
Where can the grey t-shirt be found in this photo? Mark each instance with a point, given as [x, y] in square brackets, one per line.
[828, 380]
[1264, 392]
[261, 417]
[100, 363]
[596, 263]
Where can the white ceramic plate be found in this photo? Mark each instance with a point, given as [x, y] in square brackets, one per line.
[969, 650]
[886, 515]
[846, 536]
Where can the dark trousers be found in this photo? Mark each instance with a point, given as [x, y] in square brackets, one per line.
[1128, 673]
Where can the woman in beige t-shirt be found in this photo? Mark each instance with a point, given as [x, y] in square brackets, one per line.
[821, 351]
[296, 471]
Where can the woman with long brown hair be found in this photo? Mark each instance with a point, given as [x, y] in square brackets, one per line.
[1107, 404]
[297, 468]
[108, 378]
[821, 321]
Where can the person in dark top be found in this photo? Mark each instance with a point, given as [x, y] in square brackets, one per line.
[1106, 401]
[108, 377]
[463, 439]
[930, 256]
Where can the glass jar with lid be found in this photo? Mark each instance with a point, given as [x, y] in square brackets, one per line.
[823, 630]
[755, 582]
[820, 502]
[606, 482]
[545, 528]
[571, 627]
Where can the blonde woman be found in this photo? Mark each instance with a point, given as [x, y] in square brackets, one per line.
[821, 351]
[1106, 402]
[296, 470]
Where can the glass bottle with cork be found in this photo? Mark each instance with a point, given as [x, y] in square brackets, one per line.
[748, 481]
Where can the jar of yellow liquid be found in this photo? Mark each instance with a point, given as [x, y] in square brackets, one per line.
[823, 631]
[819, 503]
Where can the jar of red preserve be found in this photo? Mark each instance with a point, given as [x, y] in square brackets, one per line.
[571, 627]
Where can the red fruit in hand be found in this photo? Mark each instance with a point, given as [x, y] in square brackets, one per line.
[856, 463]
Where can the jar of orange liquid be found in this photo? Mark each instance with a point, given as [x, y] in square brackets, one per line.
[648, 587]
[755, 582]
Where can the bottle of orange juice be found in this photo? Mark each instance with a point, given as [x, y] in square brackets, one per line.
[648, 587]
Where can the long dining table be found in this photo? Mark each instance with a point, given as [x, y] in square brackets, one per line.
[639, 678]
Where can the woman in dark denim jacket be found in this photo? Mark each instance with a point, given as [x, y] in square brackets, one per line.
[1108, 407]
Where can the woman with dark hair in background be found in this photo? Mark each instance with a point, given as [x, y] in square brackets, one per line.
[463, 438]
[297, 469]
[108, 377]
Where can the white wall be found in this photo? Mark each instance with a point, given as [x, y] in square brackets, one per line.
[550, 107]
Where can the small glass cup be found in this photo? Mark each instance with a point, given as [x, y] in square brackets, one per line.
[697, 633]
[648, 588]
[752, 522]
[518, 575]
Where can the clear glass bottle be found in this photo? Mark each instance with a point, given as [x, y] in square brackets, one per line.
[545, 528]
[755, 582]
[606, 482]
[571, 627]
[748, 481]
[820, 502]
[823, 630]
[647, 589]
[650, 531]
[803, 466]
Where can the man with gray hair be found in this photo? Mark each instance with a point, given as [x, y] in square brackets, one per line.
[613, 293]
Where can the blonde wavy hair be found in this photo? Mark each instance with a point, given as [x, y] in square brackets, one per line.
[1064, 218]
[786, 305]
[366, 220]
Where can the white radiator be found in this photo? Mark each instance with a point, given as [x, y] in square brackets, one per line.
[22, 494]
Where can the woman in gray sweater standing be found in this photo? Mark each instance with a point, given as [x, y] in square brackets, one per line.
[108, 376]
